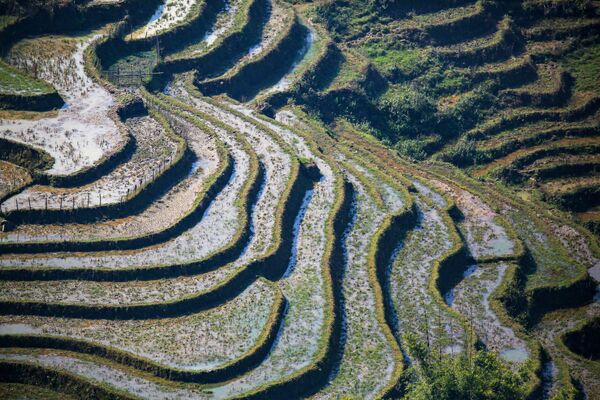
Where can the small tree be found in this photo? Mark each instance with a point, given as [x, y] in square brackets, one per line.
[480, 376]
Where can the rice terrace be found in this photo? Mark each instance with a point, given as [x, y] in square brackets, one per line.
[284, 199]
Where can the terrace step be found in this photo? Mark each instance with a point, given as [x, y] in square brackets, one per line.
[512, 72]
[551, 89]
[540, 132]
[562, 28]
[282, 40]
[197, 197]
[166, 29]
[579, 108]
[472, 297]
[235, 282]
[410, 279]
[224, 52]
[13, 178]
[498, 46]
[573, 374]
[564, 166]
[22, 92]
[577, 195]
[86, 376]
[449, 25]
[155, 149]
[548, 268]
[286, 372]
[197, 258]
[327, 264]
[523, 154]
[167, 355]
[85, 123]
[361, 308]
[239, 243]
[314, 71]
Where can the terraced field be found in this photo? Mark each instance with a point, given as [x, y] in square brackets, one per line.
[269, 199]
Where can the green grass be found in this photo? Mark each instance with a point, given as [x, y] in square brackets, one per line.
[554, 266]
[13, 81]
[20, 391]
[145, 60]
[408, 62]
[7, 20]
[585, 67]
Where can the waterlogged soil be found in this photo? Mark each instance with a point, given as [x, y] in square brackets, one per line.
[278, 19]
[182, 249]
[484, 236]
[213, 232]
[303, 328]
[392, 198]
[83, 131]
[553, 264]
[549, 330]
[288, 79]
[153, 154]
[277, 165]
[160, 214]
[472, 299]
[433, 196]
[418, 313]
[225, 21]
[195, 342]
[576, 244]
[119, 378]
[166, 16]
[367, 363]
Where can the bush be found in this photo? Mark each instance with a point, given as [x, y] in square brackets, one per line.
[410, 112]
[481, 376]
[416, 149]
[396, 62]
[471, 108]
[462, 154]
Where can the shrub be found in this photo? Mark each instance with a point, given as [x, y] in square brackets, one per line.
[416, 149]
[410, 112]
[481, 375]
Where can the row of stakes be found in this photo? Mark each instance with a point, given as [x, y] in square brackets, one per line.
[87, 200]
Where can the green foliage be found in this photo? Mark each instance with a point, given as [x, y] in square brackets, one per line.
[551, 5]
[416, 149]
[481, 375]
[410, 111]
[141, 61]
[585, 67]
[13, 81]
[7, 20]
[463, 153]
[450, 81]
[471, 108]
[345, 19]
[396, 63]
